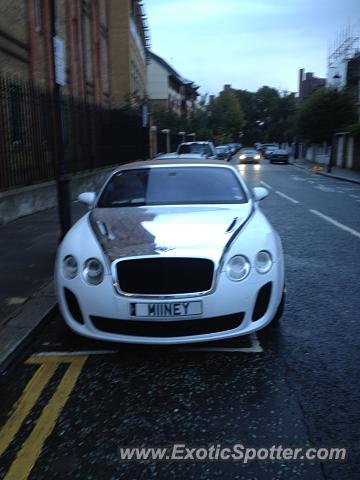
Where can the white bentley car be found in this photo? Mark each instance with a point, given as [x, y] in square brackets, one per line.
[171, 252]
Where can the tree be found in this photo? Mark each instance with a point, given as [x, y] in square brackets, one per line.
[227, 117]
[251, 132]
[165, 118]
[323, 113]
[269, 115]
[283, 116]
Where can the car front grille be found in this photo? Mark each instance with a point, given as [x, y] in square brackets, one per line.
[163, 329]
[165, 276]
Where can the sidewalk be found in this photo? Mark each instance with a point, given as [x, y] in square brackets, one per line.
[27, 253]
[344, 174]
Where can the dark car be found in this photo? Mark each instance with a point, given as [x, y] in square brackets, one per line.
[279, 156]
[224, 152]
[269, 151]
[234, 147]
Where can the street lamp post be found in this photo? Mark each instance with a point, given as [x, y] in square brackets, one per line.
[183, 135]
[62, 176]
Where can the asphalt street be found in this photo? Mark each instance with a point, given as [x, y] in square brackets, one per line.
[68, 404]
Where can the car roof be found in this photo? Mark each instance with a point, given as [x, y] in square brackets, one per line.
[202, 142]
[175, 162]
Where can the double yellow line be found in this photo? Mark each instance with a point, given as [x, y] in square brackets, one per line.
[31, 448]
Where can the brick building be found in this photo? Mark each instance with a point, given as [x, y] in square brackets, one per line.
[308, 84]
[104, 42]
[129, 41]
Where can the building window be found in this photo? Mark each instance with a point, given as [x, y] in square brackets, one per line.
[37, 15]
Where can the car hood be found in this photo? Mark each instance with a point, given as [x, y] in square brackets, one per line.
[161, 230]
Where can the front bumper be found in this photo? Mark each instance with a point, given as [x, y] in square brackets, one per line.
[279, 159]
[227, 312]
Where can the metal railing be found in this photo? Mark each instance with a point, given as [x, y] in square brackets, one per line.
[93, 136]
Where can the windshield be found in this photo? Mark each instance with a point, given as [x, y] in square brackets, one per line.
[172, 186]
[197, 148]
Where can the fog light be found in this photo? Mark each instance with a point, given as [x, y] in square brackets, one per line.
[263, 261]
[70, 267]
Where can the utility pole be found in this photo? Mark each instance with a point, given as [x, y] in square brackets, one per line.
[62, 176]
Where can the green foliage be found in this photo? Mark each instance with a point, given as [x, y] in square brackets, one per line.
[222, 137]
[355, 130]
[227, 117]
[323, 113]
[239, 115]
[164, 118]
[269, 115]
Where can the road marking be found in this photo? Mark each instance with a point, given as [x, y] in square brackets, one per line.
[299, 179]
[322, 188]
[26, 457]
[255, 347]
[81, 352]
[287, 197]
[266, 185]
[25, 404]
[354, 196]
[337, 224]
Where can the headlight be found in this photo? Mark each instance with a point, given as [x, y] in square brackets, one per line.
[70, 267]
[238, 268]
[93, 271]
[242, 157]
[263, 261]
[257, 157]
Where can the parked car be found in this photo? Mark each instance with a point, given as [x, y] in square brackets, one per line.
[269, 151]
[224, 152]
[279, 156]
[200, 149]
[171, 252]
[249, 155]
[235, 147]
[264, 146]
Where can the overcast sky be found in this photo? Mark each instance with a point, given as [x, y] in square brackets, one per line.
[247, 43]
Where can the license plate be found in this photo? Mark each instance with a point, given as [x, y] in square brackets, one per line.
[178, 309]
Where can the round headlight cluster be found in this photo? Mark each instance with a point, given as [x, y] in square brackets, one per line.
[263, 261]
[70, 267]
[238, 268]
[93, 271]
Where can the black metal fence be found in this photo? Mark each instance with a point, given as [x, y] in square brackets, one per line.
[93, 136]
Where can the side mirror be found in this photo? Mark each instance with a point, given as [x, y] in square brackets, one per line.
[260, 193]
[88, 198]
